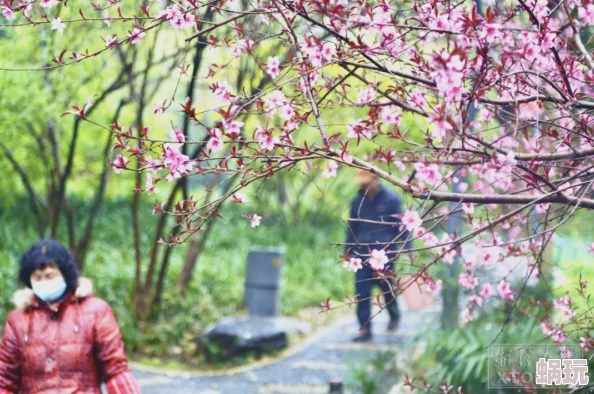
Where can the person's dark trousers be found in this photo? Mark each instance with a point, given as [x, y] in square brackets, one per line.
[365, 281]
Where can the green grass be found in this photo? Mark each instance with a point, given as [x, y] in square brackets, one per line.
[311, 273]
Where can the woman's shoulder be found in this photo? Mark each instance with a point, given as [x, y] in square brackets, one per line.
[22, 300]
[84, 296]
[16, 316]
[95, 305]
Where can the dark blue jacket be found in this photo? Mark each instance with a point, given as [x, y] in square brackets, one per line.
[379, 208]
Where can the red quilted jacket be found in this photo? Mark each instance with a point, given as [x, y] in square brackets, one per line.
[70, 350]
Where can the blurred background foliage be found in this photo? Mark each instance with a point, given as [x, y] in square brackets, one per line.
[57, 164]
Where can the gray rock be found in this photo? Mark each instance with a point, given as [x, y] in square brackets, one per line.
[233, 336]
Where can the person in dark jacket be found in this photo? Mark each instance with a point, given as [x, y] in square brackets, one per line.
[373, 235]
[60, 339]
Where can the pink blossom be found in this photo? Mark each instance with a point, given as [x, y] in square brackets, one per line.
[177, 135]
[48, 3]
[429, 174]
[330, 172]
[8, 14]
[419, 232]
[532, 51]
[411, 220]
[434, 286]
[591, 248]
[177, 23]
[564, 305]
[358, 130]
[222, 90]
[440, 126]
[418, 98]
[160, 108]
[275, 100]
[110, 41]
[565, 352]
[491, 32]
[450, 84]
[378, 259]
[354, 264]
[546, 330]
[58, 25]
[558, 336]
[287, 111]
[256, 220]
[449, 253]
[241, 46]
[177, 163]
[562, 302]
[504, 289]
[169, 13]
[328, 50]
[135, 35]
[476, 300]
[247, 44]
[430, 240]
[267, 141]
[346, 157]
[119, 163]
[273, 66]
[106, 18]
[215, 143]
[183, 21]
[239, 198]
[467, 280]
[314, 55]
[587, 14]
[486, 290]
[509, 160]
[366, 95]
[391, 115]
[530, 110]
[542, 208]
[233, 129]
[514, 232]
[469, 265]
[524, 247]
[150, 185]
[555, 334]
[236, 51]
[466, 315]
[289, 126]
[468, 207]
[152, 164]
[27, 10]
[486, 256]
[586, 343]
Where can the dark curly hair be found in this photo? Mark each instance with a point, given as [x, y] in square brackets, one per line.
[45, 252]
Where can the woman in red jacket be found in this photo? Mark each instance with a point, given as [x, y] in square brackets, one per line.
[60, 339]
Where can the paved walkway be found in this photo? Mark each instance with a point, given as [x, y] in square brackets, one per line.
[306, 369]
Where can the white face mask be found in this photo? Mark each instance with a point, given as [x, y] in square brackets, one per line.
[49, 290]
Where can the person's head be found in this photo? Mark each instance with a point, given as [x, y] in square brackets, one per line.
[365, 179]
[49, 270]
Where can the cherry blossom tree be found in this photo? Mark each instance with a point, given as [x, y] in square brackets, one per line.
[486, 116]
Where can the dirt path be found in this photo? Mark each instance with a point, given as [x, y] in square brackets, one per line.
[307, 368]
